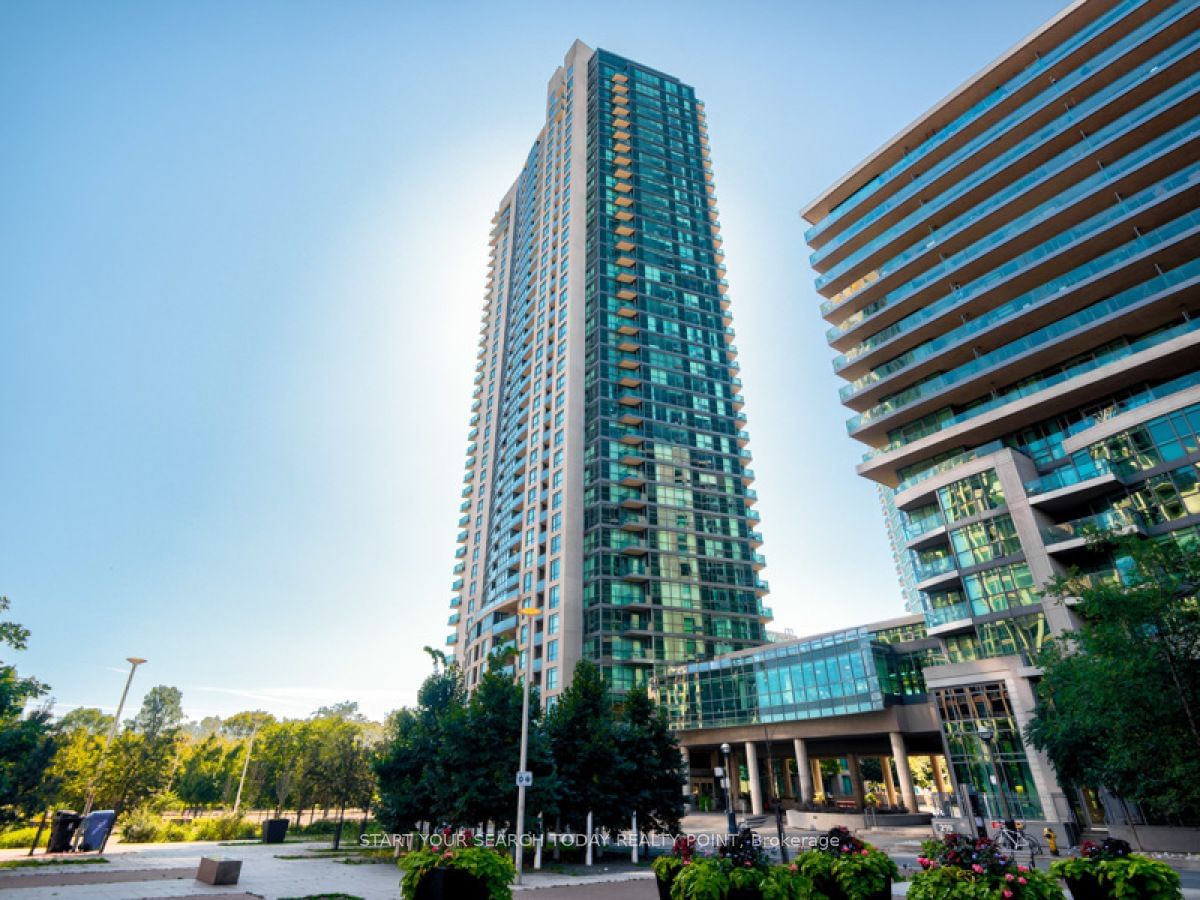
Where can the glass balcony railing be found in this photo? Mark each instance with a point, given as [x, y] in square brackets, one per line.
[1109, 520]
[1020, 80]
[933, 567]
[947, 464]
[1061, 88]
[1028, 388]
[1043, 336]
[916, 527]
[1048, 292]
[944, 615]
[1086, 228]
[1068, 476]
[1148, 395]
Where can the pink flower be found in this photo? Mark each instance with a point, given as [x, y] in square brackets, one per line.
[1008, 893]
[845, 849]
[977, 868]
[865, 852]
[1022, 880]
[1008, 876]
[793, 868]
[1022, 868]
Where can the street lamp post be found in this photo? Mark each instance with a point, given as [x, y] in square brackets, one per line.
[237, 803]
[530, 613]
[134, 662]
[987, 735]
[729, 814]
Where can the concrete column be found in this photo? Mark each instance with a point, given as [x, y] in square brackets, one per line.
[756, 803]
[815, 773]
[803, 770]
[687, 772]
[900, 754]
[888, 781]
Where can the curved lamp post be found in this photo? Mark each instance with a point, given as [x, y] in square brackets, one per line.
[530, 613]
[729, 814]
[134, 662]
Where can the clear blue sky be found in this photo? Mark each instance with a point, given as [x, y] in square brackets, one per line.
[242, 254]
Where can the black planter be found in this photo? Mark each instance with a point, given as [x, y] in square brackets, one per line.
[745, 894]
[274, 831]
[1088, 887]
[451, 884]
[664, 888]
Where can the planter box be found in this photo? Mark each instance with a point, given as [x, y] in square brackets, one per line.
[1088, 887]
[664, 888]
[451, 884]
[745, 894]
[219, 871]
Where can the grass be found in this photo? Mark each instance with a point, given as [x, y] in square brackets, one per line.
[35, 863]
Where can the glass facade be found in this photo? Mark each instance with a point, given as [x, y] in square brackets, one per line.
[835, 674]
[1011, 294]
[607, 483]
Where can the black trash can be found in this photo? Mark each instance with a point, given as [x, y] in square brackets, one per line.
[62, 830]
[274, 830]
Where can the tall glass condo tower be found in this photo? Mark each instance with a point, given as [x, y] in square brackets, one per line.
[607, 480]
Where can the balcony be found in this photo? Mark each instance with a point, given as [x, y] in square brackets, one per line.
[948, 619]
[1075, 534]
[627, 312]
[630, 420]
[634, 524]
[629, 399]
[935, 572]
[1072, 484]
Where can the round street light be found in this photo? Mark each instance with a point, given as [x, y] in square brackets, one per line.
[729, 814]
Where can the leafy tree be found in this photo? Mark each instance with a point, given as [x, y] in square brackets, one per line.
[1121, 696]
[592, 773]
[161, 713]
[206, 770]
[92, 720]
[346, 709]
[139, 762]
[653, 785]
[27, 740]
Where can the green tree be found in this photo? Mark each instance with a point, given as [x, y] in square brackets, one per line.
[92, 720]
[592, 773]
[205, 771]
[1121, 696]
[655, 775]
[140, 761]
[27, 739]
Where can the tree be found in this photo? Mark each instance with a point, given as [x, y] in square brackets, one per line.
[655, 775]
[139, 762]
[346, 709]
[592, 773]
[204, 772]
[1120, 698]
[161, 713]
[88, 718]
[27, 740]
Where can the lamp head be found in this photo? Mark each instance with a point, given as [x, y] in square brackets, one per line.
[725, 748]
[136, 660]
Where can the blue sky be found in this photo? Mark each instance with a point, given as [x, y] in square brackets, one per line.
[242, 254]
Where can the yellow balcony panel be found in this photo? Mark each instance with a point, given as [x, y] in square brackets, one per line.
[622, 187]
[619, 88]
[634, 524]
[634, 550]
[629, 365]
[624, 201]
[624, 215]
[621, 148]
[738, 401]
[625, 246]
[629, 382]
[626, 278]
[621, 123]
[722, 288]
[630, 459]
[621, 99]
[626, 294]
[624, 230]
[623, 173]
[625, 312]
[625, 261]
[622, 161]
[629, 420]
[619, 78]
[633, 503]
[630, 400]
[719, 256]
[633, 440]
[629, 347]
[627, 330]
[621, 136]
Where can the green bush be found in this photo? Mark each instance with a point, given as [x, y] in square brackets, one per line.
[20, 838]
[494, 868]
[141, 827]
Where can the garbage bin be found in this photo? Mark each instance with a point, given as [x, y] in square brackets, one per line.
[95, 828]
[62, 830]
[274, 831]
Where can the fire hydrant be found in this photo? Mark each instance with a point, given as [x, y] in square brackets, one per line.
[1051, 840]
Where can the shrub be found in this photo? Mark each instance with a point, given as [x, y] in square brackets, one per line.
[21, 838]
[701, 879]
[1115, 870]
[493, 868]
[847, 865]
[962, 866]
[141, 827]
